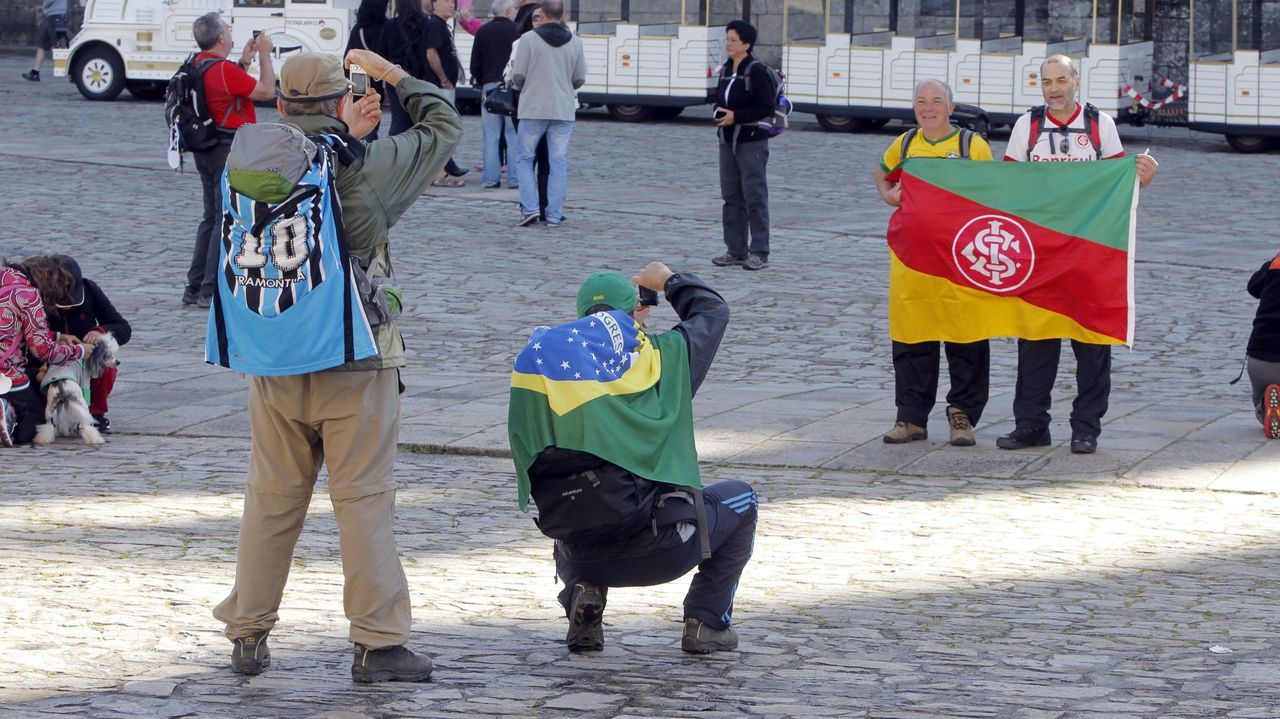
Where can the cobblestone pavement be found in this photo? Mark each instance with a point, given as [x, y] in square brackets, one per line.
[888, 581]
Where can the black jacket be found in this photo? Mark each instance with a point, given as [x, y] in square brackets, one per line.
[96, 311]
[405, 46]
[1264, 341]
[492, 50]
[748, 107]
[704, 315]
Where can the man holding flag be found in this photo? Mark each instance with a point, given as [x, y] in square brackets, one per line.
[601, 430]
[915, 364]
[1063, 130]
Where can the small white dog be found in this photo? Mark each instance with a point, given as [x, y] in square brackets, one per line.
[66, 412]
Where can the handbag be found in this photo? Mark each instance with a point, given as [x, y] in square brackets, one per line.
[502, 100]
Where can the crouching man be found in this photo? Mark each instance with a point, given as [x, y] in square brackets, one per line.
[601, 428]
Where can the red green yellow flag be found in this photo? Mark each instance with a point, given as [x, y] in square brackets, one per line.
[1036, 250]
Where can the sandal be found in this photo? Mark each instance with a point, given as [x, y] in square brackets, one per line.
[446, 180]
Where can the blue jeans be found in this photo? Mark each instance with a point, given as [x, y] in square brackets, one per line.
[494, 126]
[558, 133]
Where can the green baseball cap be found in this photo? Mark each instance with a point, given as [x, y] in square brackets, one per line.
[607, 288]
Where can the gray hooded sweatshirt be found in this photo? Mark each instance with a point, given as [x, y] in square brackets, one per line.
[548, 67]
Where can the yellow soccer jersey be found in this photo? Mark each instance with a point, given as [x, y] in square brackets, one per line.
[921, 146]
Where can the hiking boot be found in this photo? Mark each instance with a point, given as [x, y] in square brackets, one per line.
[904, 432]
[700, 639]
[961, 429]
[190, 296]
[104, 424]
[1083, 444]
[1023, 437]
[1271, 420]
[8, 423]
[586, 615]
[250, 655]
[33, 76]
[727, 260]
[204, 303]
[389, 664]
[755, 262]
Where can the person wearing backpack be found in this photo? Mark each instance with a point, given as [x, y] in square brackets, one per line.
[1063, 130]
[744, 97]
[306, 306]
[228, 95]
[601, 430]
[915, 364]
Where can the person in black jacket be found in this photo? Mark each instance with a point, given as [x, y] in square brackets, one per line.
[85, 314]
[366, 34]
[1263, 351]
[669, 545]
[745, 97]
[489, 56]
[404, 42]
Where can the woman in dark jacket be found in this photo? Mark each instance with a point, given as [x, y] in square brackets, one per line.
[404, 42]
[1264, 347]
[366, 34]
[745, 97]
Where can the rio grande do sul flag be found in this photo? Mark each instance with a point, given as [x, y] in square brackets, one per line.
[1036, 250]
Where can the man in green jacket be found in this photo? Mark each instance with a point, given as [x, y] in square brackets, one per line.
[347, 418]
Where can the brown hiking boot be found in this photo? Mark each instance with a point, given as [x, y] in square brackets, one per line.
[904, 432]
[961, 429]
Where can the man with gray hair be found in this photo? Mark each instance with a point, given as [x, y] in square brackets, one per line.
[489, 56]
[915, 365]
[229, 92]
[548, 68]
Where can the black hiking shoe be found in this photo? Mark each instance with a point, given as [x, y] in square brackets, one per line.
[33, 76]
[1024, 437]
[389, 664]
[700, 639]
[250, 655]
[586, 614]
[104, 424]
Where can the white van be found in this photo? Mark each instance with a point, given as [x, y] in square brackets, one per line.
[139, 44]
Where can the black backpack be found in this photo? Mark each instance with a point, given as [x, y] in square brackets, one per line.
[1090, 128]
[185, 108]
[602, 504]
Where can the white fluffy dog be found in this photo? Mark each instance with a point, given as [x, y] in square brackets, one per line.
[66, 414]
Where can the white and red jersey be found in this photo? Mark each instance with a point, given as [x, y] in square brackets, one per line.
[1064, 142]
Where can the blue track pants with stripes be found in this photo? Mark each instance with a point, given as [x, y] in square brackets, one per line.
[731, 523]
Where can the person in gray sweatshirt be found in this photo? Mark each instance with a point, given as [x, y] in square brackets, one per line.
[53, 24]
[548, 67]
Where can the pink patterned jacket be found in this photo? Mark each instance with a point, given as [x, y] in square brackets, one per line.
[24, 328]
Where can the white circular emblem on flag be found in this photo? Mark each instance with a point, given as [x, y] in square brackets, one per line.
[994, 252]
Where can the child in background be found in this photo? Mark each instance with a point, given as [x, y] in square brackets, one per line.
[1264, 347]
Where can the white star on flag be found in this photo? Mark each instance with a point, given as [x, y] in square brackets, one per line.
[539, 360]
[575, 330]
[537, 346]
[570, 340]
[564, 365]
[577, 375]
[592, 324]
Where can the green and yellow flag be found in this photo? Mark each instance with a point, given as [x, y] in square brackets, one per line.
[601, 385]
[1013, 249]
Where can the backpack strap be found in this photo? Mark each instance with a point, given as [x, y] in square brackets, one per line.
[746, 73]
[906, 143]
[1037, 127]
[704, 536]
[966, 139]
[1092, 128]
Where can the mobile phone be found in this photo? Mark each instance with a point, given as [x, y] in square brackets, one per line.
[720, 113]
[648, 297]
[359, 81]
[256, 33]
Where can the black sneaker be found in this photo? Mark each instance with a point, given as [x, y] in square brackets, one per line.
[698, 638]
[250, 655]
[104, 424]
[33, 76]
[755, 262]
[389, 664]
[727, 260]
[1023, 437]
[204, 303]
[491, 185]
[527, 220]
[1083, 444]
[586, 615]
[190, 296]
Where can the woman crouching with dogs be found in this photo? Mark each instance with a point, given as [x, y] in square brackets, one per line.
[25, 291]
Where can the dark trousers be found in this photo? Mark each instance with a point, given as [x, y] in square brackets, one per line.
[1037, 371]
[731, 524]
[28, 407]
[915, 378]
[204, 260]
[744, 187]
[400, 120]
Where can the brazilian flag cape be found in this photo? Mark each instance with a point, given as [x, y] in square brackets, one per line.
[601, 385]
